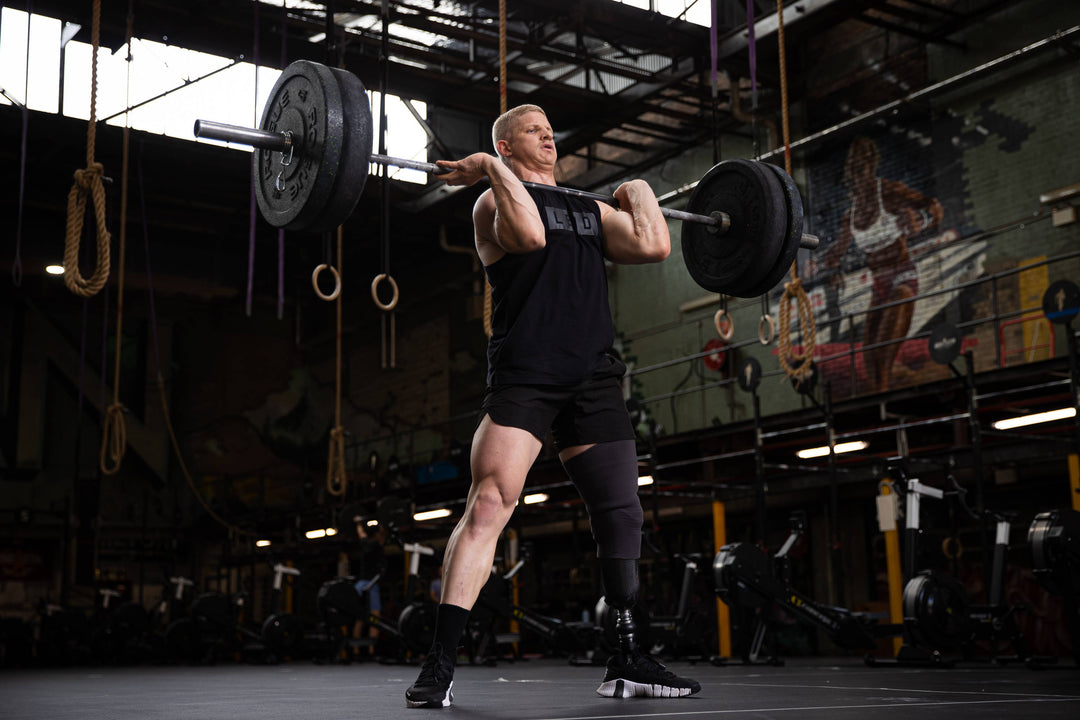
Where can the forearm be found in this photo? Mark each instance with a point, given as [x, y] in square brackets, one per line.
[650, 227]
[637, 232]
[518, 226]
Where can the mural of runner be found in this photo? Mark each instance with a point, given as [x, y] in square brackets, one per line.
[885, 276]
[882, 216]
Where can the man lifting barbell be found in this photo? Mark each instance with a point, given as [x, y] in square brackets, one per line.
[550, 366]
[549, 360]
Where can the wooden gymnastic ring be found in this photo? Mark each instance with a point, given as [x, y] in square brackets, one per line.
[952, 548]
[766, 319]
[315, 281]
[375, 295]
[724, 334]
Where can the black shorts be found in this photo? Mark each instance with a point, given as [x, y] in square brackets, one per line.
[592, 412]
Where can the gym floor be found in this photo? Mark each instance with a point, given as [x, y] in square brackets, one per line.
[832, 689]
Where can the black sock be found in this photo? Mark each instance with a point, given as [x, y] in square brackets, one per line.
[450, 621]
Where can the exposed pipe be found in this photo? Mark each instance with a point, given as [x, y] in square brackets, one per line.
[918, 95]
[738, 113]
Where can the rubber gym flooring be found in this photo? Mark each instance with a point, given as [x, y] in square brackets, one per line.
[538, 690]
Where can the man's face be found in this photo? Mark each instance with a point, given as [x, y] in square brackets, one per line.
[532, 139]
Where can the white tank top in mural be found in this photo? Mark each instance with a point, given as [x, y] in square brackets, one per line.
[883, 231]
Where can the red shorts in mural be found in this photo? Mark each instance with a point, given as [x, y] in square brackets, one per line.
[888, 279]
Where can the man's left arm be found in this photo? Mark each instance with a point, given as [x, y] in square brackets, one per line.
[637, 232]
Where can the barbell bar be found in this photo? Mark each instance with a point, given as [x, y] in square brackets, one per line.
[282, 142]
[313, 154]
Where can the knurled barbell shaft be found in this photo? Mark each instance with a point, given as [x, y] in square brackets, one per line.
[280, 142]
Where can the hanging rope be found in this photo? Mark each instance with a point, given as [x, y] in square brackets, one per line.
[335, 466]
[88, 181]
[114, 433]
[502, 56]
[797, 365]
[502, 109]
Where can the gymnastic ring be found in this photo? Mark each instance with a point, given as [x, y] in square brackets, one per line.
[375, 295]
[761, 336]
[947, 546]
[315, 281]
[724, 334]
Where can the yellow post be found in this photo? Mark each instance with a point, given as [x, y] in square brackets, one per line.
[1074, 481]
[896, 577]
[723, 617]
[515, 588]
[288, 591]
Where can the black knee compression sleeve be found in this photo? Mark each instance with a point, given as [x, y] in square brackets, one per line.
[606, 476]
[620, 578]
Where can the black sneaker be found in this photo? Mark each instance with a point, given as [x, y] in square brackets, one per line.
[434, 688]
[641, 676]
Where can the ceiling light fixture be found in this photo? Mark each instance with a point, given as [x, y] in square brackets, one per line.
[1035, 419]
[840, 448]
[431, 514]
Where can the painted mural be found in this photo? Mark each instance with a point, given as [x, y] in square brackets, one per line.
[899, 250]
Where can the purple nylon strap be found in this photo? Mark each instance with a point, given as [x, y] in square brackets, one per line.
[752, 47]
[280, 274]
[16, 266]
[281, 231]
[713, 51]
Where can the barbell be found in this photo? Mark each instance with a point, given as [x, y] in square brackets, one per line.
[741, 230]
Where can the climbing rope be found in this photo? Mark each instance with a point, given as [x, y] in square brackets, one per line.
[797, 365]
[114, 433]
[335, 466]
[502, 109]
[88, 181]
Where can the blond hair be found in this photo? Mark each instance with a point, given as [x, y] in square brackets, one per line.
[501, 128]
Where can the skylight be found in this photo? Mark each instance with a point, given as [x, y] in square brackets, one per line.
[194, 85]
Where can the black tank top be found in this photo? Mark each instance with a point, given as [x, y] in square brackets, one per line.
[551, 323]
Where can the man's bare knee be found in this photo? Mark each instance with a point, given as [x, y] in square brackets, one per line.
[488, 512]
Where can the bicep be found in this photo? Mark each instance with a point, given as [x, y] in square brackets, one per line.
[487, 245]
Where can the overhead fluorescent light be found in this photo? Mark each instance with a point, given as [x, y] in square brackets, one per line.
[54, 269]
[534, 498]
[1025, 420]
[262, 543]
[645, 480]
[372, 523]
[431, 514]
[315, 534]
[840, 448]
